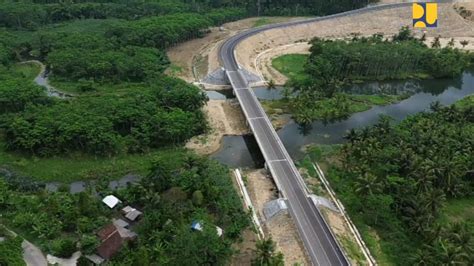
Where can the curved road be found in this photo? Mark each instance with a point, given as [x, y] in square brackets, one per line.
[320, 243]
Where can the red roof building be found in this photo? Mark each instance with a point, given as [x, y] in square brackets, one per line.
[112, 239]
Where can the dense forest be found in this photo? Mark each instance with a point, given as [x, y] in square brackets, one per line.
[397, 179]
[335, 63]
[21, 14]
[178, 191]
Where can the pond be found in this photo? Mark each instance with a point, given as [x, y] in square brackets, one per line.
[236, 152]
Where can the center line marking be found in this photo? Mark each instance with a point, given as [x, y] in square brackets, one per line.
[280, 160]
[254, 118]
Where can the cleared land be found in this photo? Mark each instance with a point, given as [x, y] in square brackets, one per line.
[387, 22]
[194, 59]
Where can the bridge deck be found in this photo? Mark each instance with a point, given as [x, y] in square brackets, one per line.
[318, 239]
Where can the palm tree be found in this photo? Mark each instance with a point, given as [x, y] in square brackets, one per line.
[434, 201]
[451, 43]
[423, 257]
[271, 86]
[464, 43]
[266, 255]
[367, 184]
[436, 43]
[460, 235]
[436, 106]
[450, 255]
[352, 135]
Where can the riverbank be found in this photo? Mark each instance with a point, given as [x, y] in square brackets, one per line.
[41, 79]
[225, 118]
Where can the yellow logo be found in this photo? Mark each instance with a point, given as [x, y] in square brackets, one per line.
[425, 15]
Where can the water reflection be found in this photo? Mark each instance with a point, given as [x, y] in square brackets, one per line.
[447, 91]
[240, 151]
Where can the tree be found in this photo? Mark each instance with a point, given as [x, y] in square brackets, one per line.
[436, 43]
[451, 43]
[367, 184]
[89, 244]
[266, 255]
[63, 248]
[403, 35]
[198, 198]
[464, 43]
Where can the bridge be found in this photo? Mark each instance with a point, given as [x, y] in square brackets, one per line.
[319, 241]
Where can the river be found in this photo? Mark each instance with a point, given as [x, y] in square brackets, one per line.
[242, 151]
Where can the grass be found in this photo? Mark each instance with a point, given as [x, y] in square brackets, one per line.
[465, 102]
[356, 103]
[262, 22]
[76, 167]
[27, 71]
[374, 243]
[353, 250]
[459, 210]
[174, 70]
[291, 65]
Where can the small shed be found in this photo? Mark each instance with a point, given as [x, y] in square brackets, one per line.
[121, 223]
[131, 213]
[95, 259]
[111, 201]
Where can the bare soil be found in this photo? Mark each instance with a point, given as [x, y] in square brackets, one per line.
[465, 9]
[281, 228]
[225, 118]
[246, 249]
[194, 59]
[387, 22]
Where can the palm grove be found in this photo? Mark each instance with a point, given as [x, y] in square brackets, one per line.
[397, 179]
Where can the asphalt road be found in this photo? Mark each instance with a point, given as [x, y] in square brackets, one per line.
[320, 243]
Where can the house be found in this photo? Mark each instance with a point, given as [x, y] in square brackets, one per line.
[111, 201]
[131, 213]
[121, 223]
[112, 239]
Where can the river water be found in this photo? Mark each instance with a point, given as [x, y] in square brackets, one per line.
[239, 151]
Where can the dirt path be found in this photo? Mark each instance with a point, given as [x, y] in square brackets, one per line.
[33, 255]
[225, 118]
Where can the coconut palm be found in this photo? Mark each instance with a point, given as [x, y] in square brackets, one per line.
[266, 255]
[367, 184]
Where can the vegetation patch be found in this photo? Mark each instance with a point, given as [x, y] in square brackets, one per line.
[11, 252]
[317, 80]
[291, 65]
[408, 187]
[206, 194]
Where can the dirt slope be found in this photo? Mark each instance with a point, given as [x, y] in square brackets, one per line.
[388, 22]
